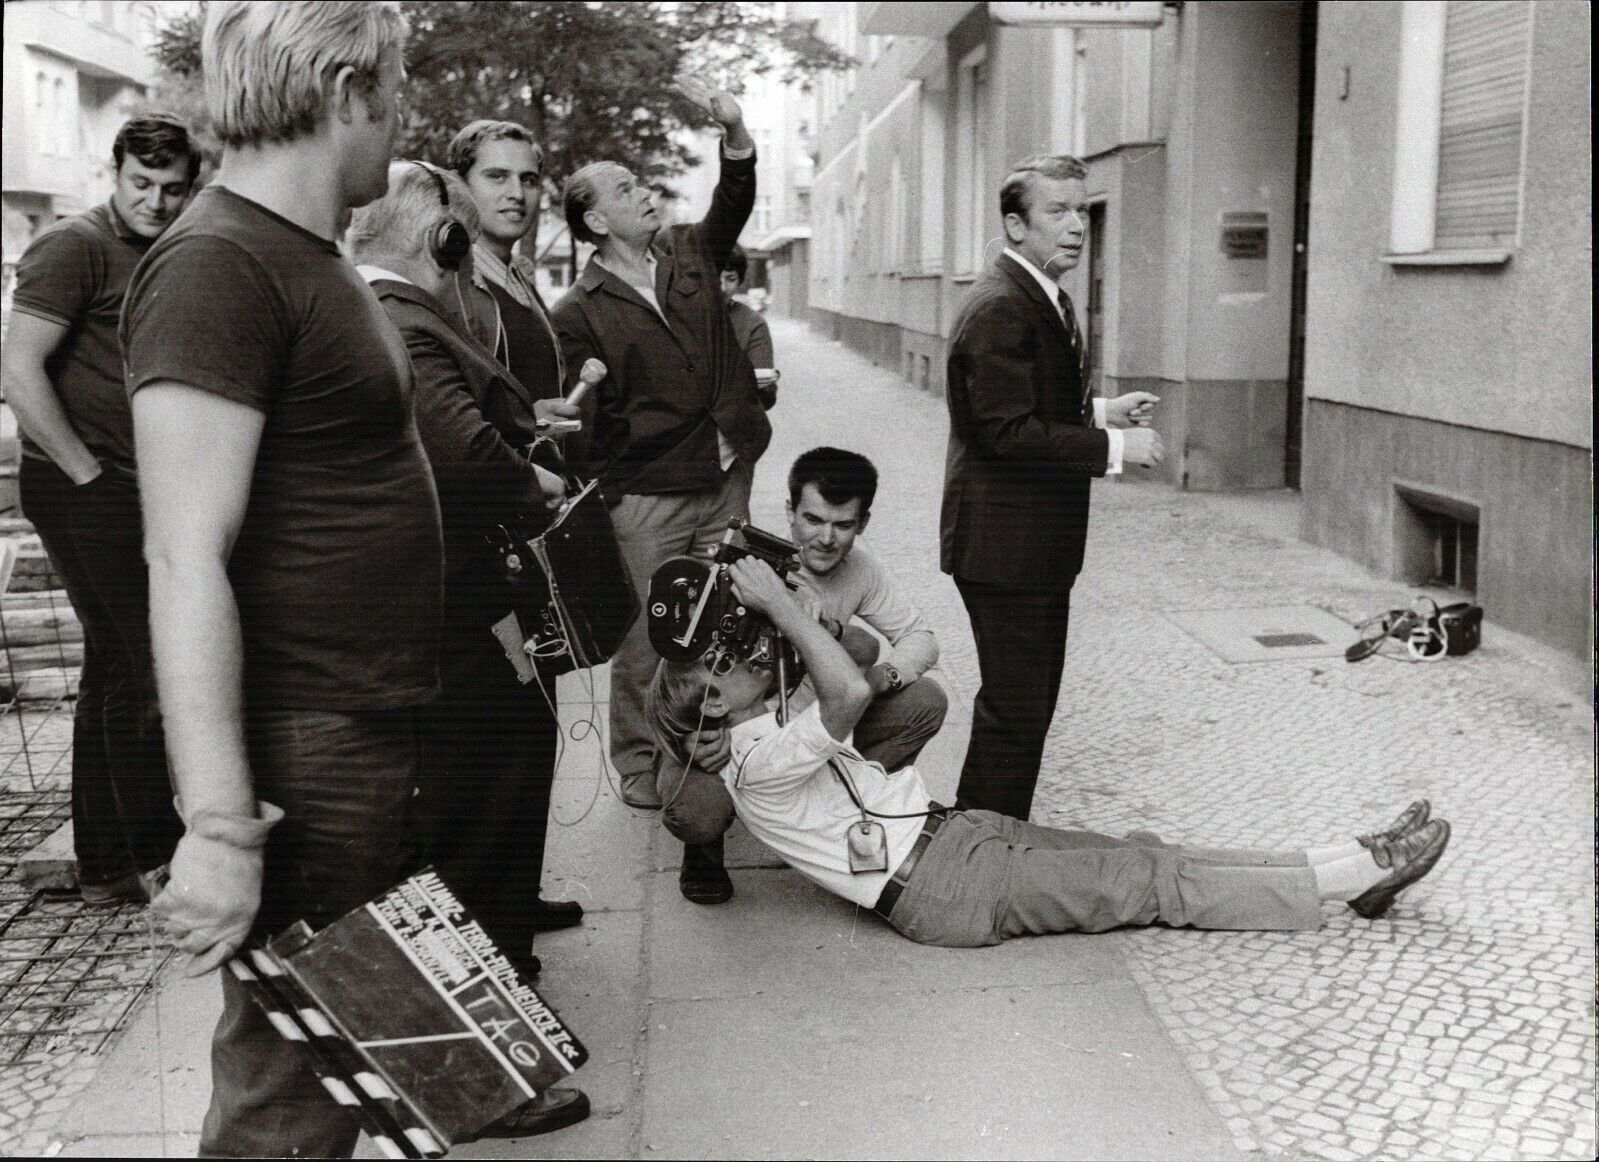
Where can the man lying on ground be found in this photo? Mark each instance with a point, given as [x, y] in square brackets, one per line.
[967, 878]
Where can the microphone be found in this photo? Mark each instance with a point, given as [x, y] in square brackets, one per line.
[592, 372]
[1053, 258]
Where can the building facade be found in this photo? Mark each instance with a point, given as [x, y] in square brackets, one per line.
[74, 72]
[1448, 364]
[1329, 290]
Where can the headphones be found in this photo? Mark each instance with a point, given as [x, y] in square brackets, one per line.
[450, 242]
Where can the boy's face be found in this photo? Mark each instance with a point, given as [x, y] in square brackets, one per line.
[730, 283]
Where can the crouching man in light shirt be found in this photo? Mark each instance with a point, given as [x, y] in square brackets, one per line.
[966, 878]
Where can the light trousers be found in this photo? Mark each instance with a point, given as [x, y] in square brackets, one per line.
[649, 529]
[988, 877]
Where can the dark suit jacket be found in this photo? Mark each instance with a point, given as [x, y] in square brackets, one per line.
[650, 426]
[1022, 447]
[474, 419]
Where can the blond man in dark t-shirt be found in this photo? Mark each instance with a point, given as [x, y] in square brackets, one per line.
[292, 531]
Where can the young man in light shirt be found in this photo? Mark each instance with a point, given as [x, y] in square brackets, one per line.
[969, 877]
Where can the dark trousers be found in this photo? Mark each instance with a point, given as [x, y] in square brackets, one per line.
[1021, 647]
[122, 815]
[488, 762]
[345, 783]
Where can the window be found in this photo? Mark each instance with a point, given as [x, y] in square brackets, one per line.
[1463, 77]
[971, 159]
[1480, 124]
[930, 188]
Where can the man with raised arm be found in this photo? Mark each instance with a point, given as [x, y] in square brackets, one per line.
[674, 431]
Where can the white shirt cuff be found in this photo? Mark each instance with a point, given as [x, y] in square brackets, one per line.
[738, 154]
[1099, 411]
[1113, 462]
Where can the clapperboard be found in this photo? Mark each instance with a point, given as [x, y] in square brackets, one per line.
[412, 1016]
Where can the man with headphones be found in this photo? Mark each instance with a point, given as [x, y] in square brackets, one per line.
[488, 742]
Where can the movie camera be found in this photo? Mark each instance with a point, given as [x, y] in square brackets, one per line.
[693, 612]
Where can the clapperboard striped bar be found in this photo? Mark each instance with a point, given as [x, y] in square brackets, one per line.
[413, 1017]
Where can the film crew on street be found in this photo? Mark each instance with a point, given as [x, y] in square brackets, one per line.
[754, 336]
[830, 503]
[972, 877]
[64, 378]
[675, 429]
[292, 532]
[488, 742]
[1025, 440]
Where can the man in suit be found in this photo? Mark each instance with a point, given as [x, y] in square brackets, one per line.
[674, 431]
[1025, 439]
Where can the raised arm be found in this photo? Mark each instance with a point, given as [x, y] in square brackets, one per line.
[996, 348]
[196, 457]
[734, 197]
[841, 692]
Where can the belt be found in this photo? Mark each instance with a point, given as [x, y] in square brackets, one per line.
[902, 874]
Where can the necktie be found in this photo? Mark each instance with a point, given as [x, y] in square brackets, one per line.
[1074, 337]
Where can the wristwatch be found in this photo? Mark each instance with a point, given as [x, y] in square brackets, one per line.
[891, 676]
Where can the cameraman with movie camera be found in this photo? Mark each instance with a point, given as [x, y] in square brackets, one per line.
[963, 877]
[830, 504]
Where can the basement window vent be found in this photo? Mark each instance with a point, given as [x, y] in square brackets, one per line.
[1436, 538]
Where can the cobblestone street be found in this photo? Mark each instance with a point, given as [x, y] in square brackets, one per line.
[788, 1024]
[1461, 1026]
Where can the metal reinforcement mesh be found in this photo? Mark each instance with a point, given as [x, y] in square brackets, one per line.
[71, 973]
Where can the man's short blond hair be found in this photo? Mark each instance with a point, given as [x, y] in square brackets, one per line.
[269, 64]
[398, 223]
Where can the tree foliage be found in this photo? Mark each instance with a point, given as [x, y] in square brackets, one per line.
[589, 80]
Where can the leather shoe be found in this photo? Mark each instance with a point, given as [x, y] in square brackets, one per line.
[550, 915]
[1410, 857]
[552, 1110]
[529, 966]
[1409, 819]
[704, 878]
[638, 790]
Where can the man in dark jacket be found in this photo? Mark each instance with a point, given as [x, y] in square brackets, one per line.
[1025, 438]
[674, 431]
[488, 742]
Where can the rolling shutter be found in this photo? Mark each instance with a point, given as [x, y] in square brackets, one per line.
[1481, 124]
